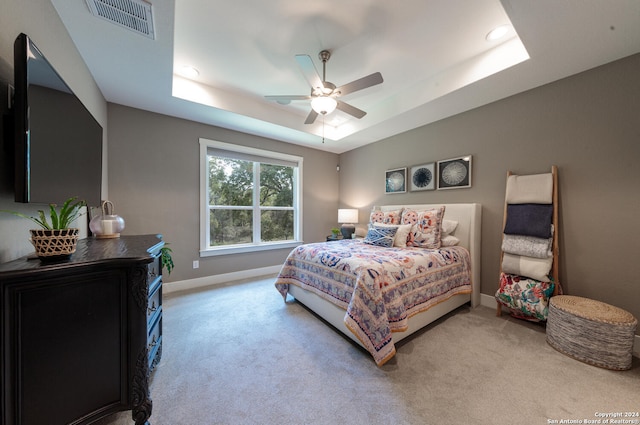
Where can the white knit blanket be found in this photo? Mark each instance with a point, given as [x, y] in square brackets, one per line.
[531, 189]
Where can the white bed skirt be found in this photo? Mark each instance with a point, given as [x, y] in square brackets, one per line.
[335, 315]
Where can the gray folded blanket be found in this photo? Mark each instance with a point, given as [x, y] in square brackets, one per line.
[529, 246]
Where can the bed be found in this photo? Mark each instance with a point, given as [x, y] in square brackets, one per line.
[379, 295]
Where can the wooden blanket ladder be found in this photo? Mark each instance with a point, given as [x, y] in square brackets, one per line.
[555, 249]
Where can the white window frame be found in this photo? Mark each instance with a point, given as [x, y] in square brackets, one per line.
[205, 249]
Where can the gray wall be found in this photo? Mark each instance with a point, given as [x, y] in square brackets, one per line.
[588, 125]
[39, 20]
[154, 185]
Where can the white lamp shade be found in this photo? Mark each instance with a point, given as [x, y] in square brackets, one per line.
[323, 104]
[347, 215]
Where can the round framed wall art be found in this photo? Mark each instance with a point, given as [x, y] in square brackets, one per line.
[454, 173]
[423, 177]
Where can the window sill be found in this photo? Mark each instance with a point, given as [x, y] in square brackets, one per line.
[241, 249]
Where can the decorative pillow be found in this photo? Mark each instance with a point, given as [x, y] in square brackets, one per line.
[386, 217]
[529, 220]
[381, 236]
[449, 240]
[426, 227]
[402, 233]
[525, 298]
[448, 227]
[535, 268]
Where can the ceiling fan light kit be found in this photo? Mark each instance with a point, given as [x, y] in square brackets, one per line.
[324, 104]
[324, 94]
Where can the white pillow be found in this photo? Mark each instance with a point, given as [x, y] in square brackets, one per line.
[448, 227]
[449, 241]
[400, 239]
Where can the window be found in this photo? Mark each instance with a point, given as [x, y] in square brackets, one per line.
[250, 199]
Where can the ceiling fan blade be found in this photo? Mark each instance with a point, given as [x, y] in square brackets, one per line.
[309, 71]
[351, 110]
[362, 83]
[286, 99]
[311, 117]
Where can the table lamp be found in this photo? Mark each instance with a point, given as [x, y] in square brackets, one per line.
[347, 217]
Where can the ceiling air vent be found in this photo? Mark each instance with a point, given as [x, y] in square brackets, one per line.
[132, 14]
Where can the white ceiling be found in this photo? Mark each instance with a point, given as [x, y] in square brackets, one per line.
[432, 54]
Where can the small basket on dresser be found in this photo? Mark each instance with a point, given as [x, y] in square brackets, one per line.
[591, 331]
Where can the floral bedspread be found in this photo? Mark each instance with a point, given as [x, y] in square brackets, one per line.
[380, 288]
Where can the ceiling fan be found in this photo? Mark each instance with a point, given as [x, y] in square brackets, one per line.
[323, 93]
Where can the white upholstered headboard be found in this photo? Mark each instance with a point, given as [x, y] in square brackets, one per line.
[469, 218]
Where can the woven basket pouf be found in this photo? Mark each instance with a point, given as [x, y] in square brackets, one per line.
[591, 331]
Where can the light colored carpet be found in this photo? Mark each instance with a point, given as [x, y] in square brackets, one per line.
[237, 354]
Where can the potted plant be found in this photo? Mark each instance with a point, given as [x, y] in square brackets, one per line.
[55, 240]
[167, 259]
[335, 232]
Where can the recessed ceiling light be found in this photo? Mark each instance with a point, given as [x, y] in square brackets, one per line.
[189, 72]
[497, 33]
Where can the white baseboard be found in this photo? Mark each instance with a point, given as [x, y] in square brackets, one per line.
[200, 282]
[489, 301]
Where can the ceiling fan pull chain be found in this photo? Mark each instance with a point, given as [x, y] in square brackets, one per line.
[323, 129]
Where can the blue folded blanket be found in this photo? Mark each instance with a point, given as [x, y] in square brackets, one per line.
[529, 220]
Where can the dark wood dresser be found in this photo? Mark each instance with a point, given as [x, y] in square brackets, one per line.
[80, 337]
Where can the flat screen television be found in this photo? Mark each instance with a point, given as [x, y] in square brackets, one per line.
[58, 143]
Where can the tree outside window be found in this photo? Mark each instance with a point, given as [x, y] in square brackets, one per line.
[251, 199]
